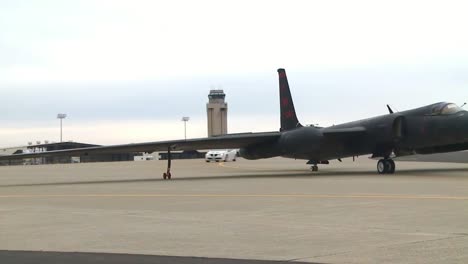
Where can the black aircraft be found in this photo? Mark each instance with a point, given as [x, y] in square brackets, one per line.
[436, 128]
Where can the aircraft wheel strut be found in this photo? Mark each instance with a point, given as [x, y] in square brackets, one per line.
[167, 175]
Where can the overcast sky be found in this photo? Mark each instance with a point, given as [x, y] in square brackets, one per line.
[127, 71]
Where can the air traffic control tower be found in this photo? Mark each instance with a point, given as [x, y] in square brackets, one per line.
[216, 110]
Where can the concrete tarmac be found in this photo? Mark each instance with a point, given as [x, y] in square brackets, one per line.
[274, 209]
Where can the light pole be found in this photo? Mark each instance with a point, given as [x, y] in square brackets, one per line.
[185, 119]
[61, 117]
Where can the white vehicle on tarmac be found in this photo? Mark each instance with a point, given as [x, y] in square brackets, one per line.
[221, 155]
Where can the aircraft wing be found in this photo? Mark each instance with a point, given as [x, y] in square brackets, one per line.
[217, 142]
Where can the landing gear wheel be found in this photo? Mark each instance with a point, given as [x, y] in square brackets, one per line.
[392, 165]
[385, 166]
[314, 168]
[382, 166]
[167, 175]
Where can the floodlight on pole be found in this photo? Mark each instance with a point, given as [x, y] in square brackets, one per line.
[61, 117]
[185, 119]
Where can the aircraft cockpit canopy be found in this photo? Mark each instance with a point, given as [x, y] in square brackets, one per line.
[446, 109]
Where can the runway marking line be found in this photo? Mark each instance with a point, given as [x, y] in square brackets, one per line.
[313, 196]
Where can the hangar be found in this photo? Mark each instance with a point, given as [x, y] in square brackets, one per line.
[126, 156]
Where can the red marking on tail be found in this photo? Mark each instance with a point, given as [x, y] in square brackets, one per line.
[289, 114]
[284, 101]
[282, 74]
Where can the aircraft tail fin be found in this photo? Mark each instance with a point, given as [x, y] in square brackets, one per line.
[288, 113]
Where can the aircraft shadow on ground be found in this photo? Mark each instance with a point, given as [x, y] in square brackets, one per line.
[16, 257]
[268, 174]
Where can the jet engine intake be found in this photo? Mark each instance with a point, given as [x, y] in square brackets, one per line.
[399, 128]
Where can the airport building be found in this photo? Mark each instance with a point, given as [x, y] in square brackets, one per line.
[104, 157]
[216, 110]
[12, 151]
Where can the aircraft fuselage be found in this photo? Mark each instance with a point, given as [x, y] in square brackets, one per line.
[421, 130]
